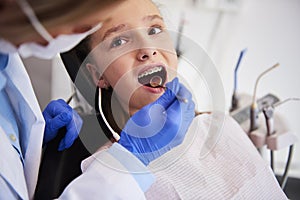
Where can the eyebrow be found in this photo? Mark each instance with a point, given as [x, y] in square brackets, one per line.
[113, 29]
[152, 17]
[120, 27]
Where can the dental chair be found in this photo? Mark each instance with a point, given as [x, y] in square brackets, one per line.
[59, 168]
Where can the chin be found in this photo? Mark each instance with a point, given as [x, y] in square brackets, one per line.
[141, 102]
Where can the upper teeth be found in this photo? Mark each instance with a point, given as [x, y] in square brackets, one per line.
[150, 71]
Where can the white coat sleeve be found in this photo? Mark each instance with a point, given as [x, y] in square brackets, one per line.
[111, 174]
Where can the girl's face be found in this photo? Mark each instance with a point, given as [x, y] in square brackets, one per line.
[130, 49]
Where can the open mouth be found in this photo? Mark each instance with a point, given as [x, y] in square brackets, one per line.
[153, 77]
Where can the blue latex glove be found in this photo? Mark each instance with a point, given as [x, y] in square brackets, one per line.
[161, 125]
[59, 114]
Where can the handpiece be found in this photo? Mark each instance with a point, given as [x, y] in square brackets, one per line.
[254, 108]
[269, 113]
[234, 99]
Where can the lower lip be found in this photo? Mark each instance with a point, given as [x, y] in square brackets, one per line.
[154, 90]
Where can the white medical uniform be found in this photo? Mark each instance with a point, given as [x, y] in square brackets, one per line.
[212, 164]
[21, 139]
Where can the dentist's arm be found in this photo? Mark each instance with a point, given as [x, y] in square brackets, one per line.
[120, 171]
[114, 173]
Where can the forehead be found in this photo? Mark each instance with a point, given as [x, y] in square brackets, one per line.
[132, 10]
[132, 13]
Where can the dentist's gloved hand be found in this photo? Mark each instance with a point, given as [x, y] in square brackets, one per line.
[161, 125]
[59, 114]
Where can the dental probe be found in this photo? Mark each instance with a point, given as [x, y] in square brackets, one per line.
[156, 81]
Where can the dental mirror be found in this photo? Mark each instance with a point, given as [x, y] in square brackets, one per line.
[156, 81]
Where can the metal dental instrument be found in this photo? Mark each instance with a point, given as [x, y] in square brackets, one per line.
[286, 100]
[254, 108]
[70, 98]
[156, 81]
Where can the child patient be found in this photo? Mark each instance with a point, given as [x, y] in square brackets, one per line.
[131, 59]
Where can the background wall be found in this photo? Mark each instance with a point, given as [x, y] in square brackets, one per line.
[269, 29]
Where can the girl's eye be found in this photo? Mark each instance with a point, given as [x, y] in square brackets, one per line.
[117, 42]
[155, 30]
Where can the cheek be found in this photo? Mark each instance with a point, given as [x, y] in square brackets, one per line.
[118, 71]
[171, 59]
[172, 63]
[115, 71]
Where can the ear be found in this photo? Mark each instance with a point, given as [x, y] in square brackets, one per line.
[99, 80]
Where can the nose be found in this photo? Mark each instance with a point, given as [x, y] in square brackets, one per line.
[145, 54]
